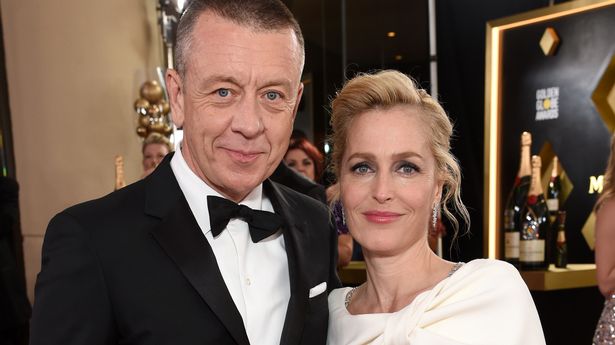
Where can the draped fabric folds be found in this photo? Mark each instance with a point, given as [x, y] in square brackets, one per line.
[484, 302]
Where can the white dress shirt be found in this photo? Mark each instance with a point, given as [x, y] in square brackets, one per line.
[255, 274]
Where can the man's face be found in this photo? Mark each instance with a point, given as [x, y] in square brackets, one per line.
[236, 103]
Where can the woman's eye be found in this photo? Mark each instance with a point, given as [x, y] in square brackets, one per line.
[272, 95]
[361, 168]
[307, 162]
[408, 168]
[223, 92]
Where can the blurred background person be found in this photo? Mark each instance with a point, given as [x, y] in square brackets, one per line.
[15, 308]
[605, 255]
[305, 158]
[392, 159]
[155, 147]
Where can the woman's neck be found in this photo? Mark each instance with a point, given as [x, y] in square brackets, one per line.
[394, 281]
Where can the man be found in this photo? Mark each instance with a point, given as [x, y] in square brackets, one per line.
[156, 262]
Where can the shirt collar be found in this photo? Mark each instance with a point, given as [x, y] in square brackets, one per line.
[196, 191]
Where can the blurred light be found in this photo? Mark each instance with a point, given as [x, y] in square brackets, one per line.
[398, 57]
[180, 5]
[327, 148]
[391, 34]
[177, 137]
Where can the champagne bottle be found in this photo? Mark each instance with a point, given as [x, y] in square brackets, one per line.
[511, 238]
[120, 182]
[516, 200]
[553, 191]
[534, 224]
[561, 249]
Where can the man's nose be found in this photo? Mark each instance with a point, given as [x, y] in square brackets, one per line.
[248, 119]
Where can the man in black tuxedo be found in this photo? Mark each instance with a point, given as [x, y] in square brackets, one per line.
[205, 250]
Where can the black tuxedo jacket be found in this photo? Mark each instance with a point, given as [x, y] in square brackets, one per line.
[295, 181]
[135, 268]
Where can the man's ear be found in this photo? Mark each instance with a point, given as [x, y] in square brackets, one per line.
[299, 94]
[176, 96]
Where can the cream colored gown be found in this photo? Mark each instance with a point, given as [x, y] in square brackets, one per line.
[483, 302]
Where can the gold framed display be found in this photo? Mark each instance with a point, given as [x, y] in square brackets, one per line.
[546, 45]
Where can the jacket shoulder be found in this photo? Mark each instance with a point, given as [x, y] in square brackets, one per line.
[118, 201]
[295, 198]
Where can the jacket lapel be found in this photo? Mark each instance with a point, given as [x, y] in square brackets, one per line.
[183, 241]
[295, 239]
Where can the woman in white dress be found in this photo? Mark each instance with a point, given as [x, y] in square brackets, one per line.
[391, 155]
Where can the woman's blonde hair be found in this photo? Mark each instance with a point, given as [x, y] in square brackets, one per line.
[386, 89]
[608, 189]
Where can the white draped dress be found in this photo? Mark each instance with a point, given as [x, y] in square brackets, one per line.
[484, 302]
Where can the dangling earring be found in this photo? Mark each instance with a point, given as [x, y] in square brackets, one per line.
[340, 218]
[434, 217]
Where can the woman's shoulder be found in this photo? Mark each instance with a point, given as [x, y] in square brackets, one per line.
[337, 298]
[488, 271]
[489, 265]
[606, 211]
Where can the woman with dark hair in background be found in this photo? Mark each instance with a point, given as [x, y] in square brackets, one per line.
[305, 158]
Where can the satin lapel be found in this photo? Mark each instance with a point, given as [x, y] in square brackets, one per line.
[295, 239]
[183, 241]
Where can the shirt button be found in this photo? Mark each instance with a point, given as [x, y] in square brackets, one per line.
[248, 282]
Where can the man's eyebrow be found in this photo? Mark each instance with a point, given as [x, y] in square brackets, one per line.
[219, 79]
[277, 82]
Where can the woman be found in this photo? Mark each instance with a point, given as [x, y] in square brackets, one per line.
[605, 256]
[154, 148]
[391, 155]
[305, 158]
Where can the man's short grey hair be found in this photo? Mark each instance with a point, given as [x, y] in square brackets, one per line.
[266, 15]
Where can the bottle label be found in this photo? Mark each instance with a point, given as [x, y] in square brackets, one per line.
[511, 245]
[532, 250]
[553, 204]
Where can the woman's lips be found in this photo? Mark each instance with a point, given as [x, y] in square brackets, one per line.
[381, 217]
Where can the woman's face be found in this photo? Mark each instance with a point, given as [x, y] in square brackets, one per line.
[153, 155]
[388, 180]
[301, 162]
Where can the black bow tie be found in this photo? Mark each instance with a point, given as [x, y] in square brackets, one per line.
[262, 223]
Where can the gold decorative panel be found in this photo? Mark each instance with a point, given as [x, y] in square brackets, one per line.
[604, 96]
[588, 230]
[549, 42]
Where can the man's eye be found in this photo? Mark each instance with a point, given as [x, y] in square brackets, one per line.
[272, 96]
[223, 92]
